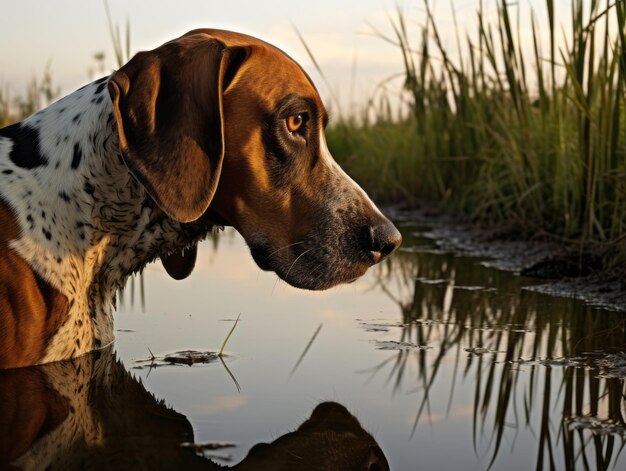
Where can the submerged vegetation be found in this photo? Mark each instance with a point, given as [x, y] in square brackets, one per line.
[507, 132]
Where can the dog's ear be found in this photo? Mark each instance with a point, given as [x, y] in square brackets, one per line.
[168, 108]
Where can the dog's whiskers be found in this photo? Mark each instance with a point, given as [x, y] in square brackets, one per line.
[278, 280]
[285, 247]
[294, 262]
[315, 270]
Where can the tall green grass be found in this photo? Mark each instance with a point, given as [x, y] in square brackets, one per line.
[537, 140]
[38, 93]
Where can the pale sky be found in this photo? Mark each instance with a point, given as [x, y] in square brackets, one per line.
[67, 33]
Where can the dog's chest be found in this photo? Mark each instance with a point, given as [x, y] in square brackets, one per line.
[85, 223]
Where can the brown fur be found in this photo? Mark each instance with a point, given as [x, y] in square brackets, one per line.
[256, 202]
[167, 103]
[31, 309]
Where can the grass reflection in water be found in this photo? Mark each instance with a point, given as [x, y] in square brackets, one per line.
[537, 365]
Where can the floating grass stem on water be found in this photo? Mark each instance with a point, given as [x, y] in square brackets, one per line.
[228, 336]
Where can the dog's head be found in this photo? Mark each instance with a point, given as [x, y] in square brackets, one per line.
[222, 125]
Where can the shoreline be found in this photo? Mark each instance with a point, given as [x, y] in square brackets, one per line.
[551, 268]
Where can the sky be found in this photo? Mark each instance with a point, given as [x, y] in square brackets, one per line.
[341, 34]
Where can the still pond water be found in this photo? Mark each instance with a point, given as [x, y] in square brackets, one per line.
[447, 363]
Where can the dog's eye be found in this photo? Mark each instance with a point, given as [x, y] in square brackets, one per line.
[296, 121]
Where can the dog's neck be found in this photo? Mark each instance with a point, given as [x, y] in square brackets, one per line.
[87, 224]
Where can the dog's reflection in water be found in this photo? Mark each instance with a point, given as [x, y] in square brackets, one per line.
[90, 413]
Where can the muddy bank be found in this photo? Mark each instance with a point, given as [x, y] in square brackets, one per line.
[551, 267]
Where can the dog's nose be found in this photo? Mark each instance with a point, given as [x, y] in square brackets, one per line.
[384, 238]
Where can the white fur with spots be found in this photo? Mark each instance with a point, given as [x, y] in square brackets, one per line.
[86, 224]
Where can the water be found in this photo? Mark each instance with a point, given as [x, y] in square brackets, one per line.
[448, 364]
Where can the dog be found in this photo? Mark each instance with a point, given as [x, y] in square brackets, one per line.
[211, 129]
[91, 413]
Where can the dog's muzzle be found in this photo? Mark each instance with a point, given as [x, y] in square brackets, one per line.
[331, 254]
